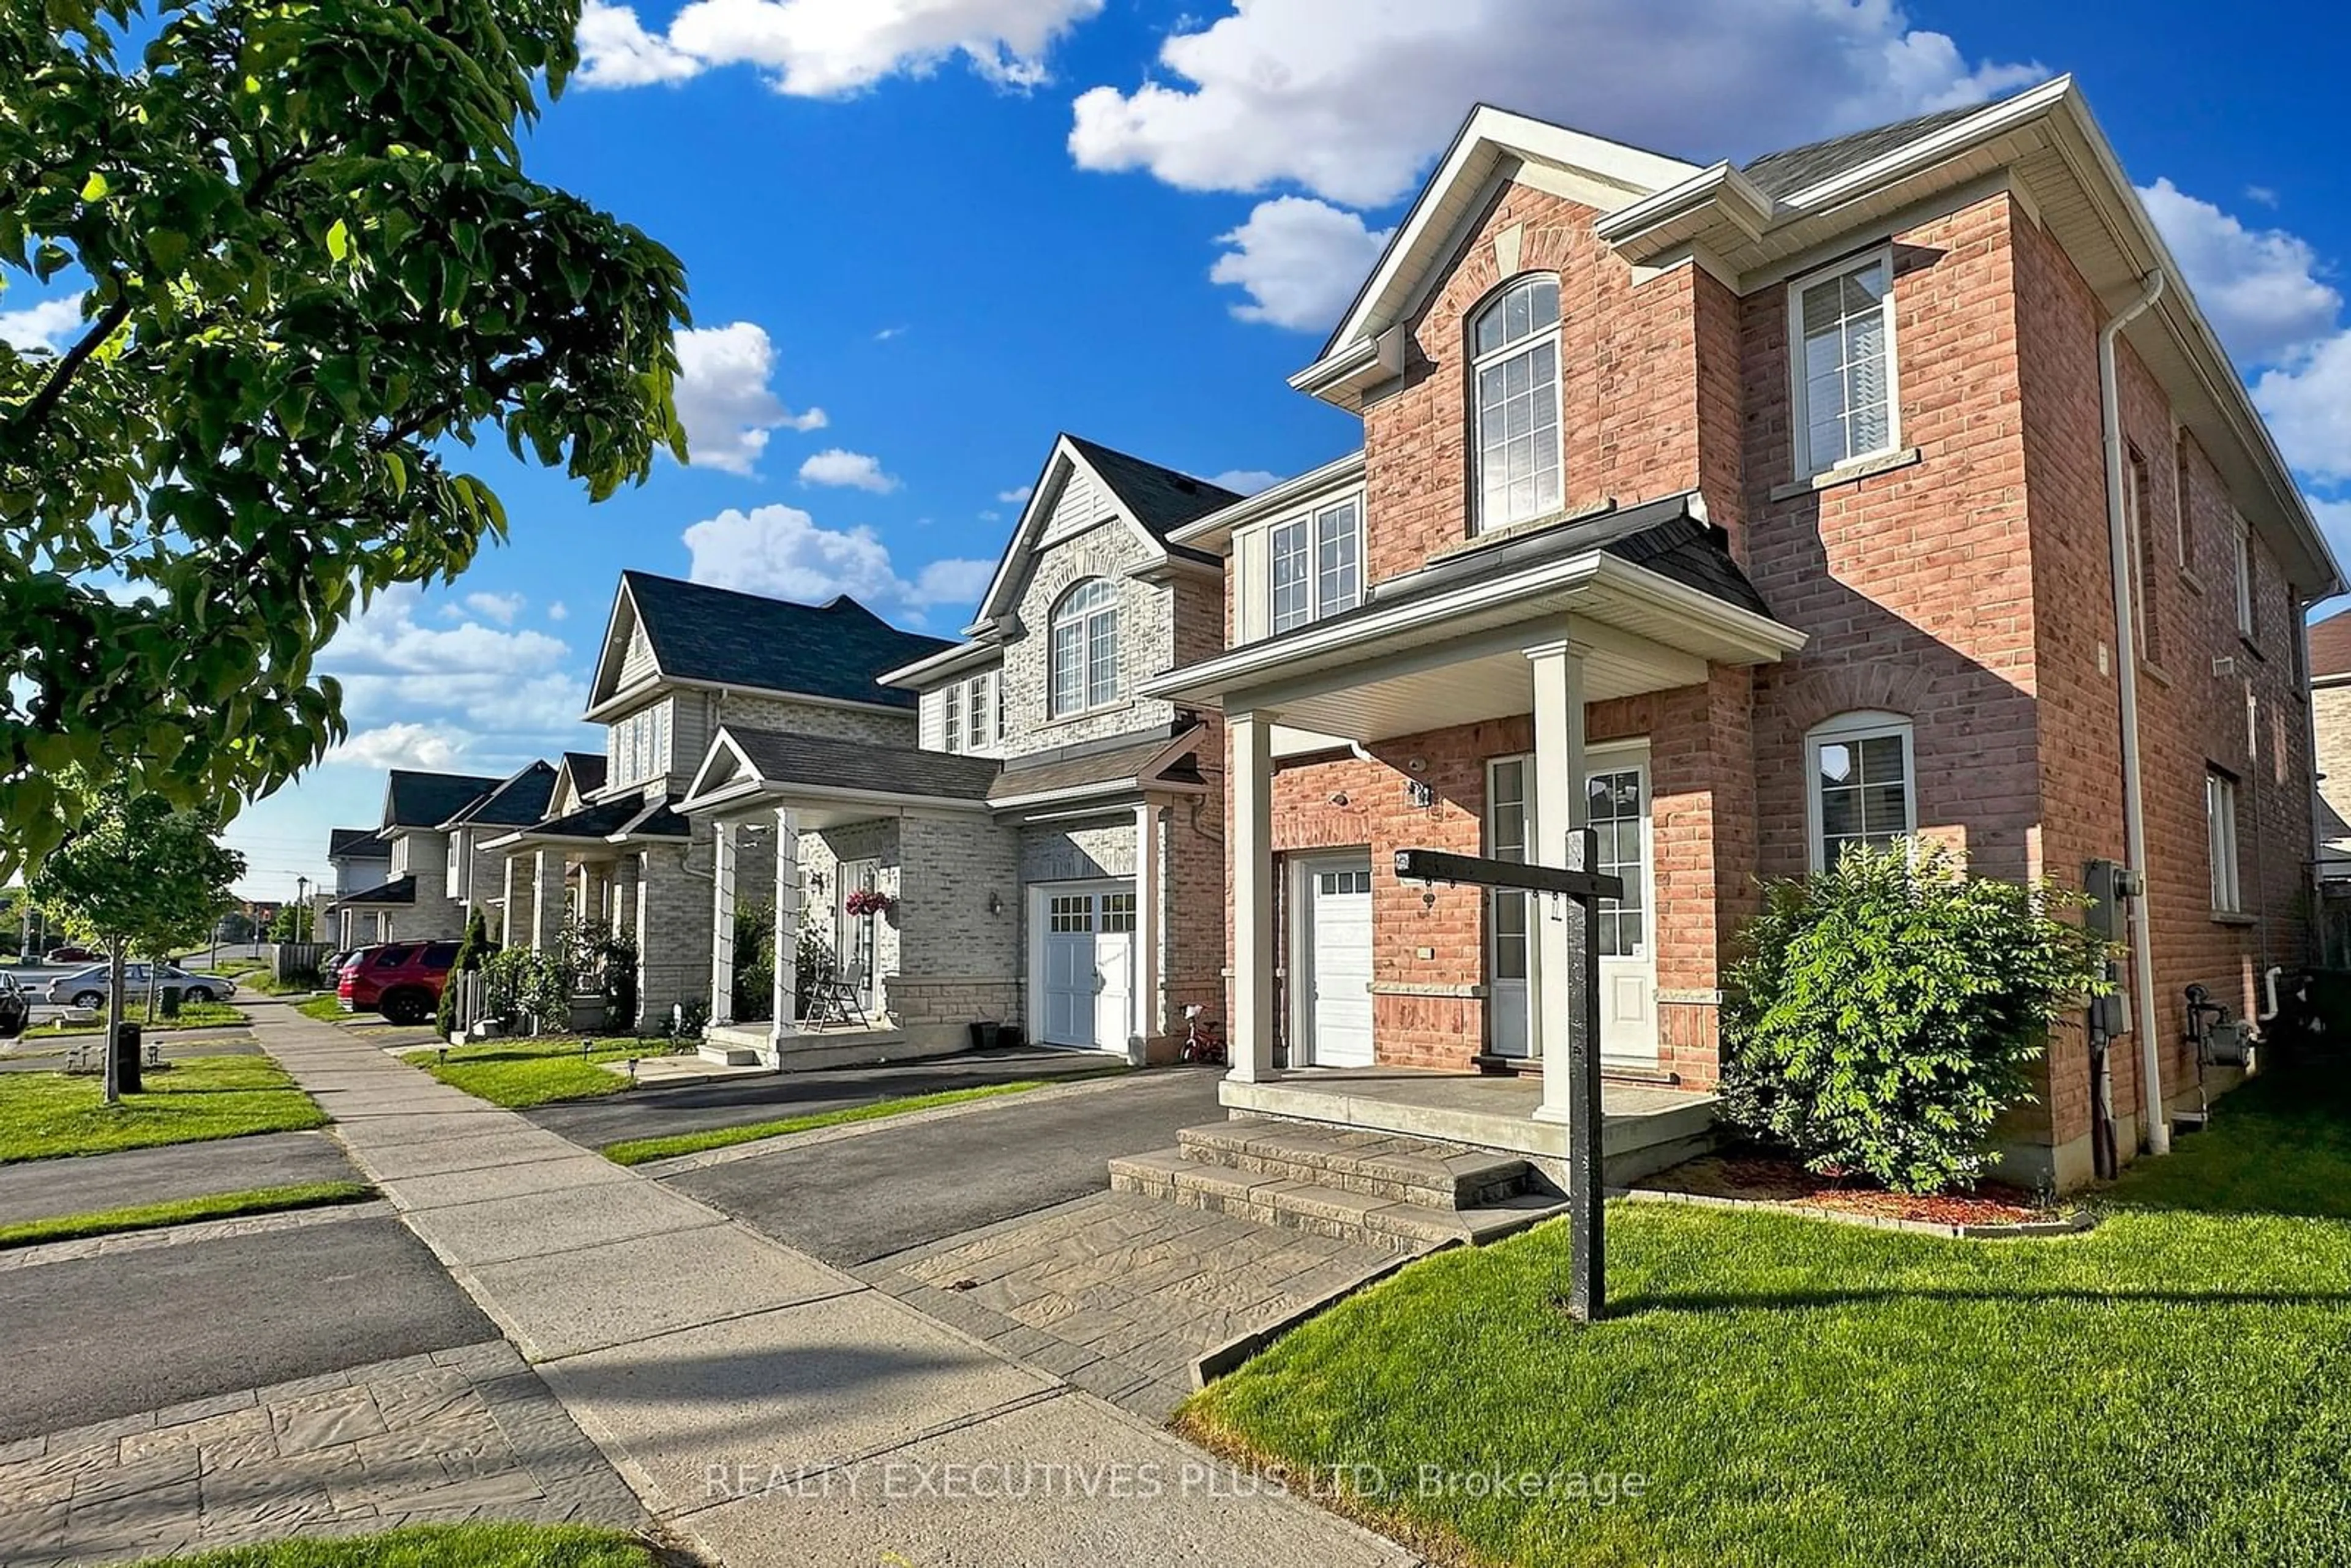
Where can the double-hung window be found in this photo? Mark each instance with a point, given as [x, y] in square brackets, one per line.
[951, 714]
[1317, 563]
[1861, 784]
[1841, 325]
[968, 715]
[1083, 654]
[1515, 341]
[2244, 548]
[2220, 835]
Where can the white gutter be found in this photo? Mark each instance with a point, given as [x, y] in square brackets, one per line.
[2155, 1135]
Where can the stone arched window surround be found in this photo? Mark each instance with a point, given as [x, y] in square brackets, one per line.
[1082, 649]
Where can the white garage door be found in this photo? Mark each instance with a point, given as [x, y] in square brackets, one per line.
[1336, 904]
[1085, 944]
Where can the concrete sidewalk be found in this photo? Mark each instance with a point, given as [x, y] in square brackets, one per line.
[777, 1409]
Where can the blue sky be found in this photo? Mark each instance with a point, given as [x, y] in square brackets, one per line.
[923, 235]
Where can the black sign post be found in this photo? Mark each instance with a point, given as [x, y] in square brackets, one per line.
[1583, 888]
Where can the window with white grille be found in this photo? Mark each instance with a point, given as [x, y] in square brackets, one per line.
[1515, 343]
[1842, 325]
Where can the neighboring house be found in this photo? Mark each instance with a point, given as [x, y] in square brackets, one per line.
[1050, 837]
[414, 900]
[1615, 555]
[682, 661]
[2330, 709]
[474, 877]
[362, 861]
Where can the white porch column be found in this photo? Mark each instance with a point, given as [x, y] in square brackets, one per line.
[546, 898]
[1149, 922]
[787, 923]
[1251, 834]
[722, 924]
[1559, 808]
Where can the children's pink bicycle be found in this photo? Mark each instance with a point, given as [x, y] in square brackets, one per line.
[1202, 1041]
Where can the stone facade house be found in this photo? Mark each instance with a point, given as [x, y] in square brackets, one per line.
[1046, 836]
[1894, 485]
[413, 903]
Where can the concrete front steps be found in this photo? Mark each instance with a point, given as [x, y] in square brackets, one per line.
[1403, 1193]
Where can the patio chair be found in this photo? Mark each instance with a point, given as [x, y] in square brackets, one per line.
[835, 998]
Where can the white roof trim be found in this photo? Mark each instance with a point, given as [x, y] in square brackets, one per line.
[1034, 517]
[1146, 777]
[948, 662]
[1211, 531]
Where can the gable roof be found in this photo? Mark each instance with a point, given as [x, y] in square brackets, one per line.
[588, 769]
[401, 891]
[358, 844]
[1149, 498]
[2330, 647]
[417, 799]
[521, 799]
[720, 637]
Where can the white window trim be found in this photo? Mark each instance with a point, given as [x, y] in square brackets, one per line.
[1480, 523]
[2244, 545]
[1800, 435]
[1310, 518]
[1114, 610]
[951, 701]
[1865, 724]
[2223, 844]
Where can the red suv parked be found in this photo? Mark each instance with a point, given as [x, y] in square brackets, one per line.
[402, 980]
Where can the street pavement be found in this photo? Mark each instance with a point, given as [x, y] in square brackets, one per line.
[698, 1106]
[889, 1186]
[775, 1408]
[40, 1190]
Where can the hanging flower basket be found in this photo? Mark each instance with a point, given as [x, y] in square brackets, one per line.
[865, 900]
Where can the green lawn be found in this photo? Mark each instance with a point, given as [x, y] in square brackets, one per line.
[193, 1015]
[2169, 1388]
[269, 985]
[518, 1073]
[326, 1009]
[186, 1211]
[444, 1546]
[45, 1114]
[637, 1151]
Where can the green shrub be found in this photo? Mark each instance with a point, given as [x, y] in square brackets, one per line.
[1885, 1011]
[471, 953]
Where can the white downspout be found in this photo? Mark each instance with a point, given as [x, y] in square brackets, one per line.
[2155, 1127]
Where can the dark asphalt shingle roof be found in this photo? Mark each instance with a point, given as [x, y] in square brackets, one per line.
[587, 770]
[1112, 765]
[358, 844]
[401, 889]
[414, 800]
[656, 819]
[590, 822]
[1784, 172]
[1162, 498]
[836, 650]
[516, 803]
[785, 758]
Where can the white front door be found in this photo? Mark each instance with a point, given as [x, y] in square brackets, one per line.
[853, 945]
[1616, 796]
[1616, 800]
[1084, 964]
[1334, 940]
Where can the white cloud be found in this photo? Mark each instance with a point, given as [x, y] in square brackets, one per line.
[2307, 403]
[401, 745]
[501, 608]
[724, 399]
[1300, 261]
[615, 50]
[1351, 100]
[43, 325]
[470, 678]
[2260, 287]
[888, 333]
[1016, 497]
[559, 611]
[851, 470]
[781, 551]
[2262, 195]
[822, 49]
[1244, 481]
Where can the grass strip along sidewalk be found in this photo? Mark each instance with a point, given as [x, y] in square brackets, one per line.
[193, 1015]
[2168, 1387]
[184, 1211]
[520, 1073]
[442, 1546]
[44, 1115]
[637, 1151]
[326, 1009]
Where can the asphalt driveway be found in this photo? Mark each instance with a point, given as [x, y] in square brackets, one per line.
[90, 1339]
[656, 1112]
[895, 1185]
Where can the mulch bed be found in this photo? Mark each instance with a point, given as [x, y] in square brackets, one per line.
[1770, 1179]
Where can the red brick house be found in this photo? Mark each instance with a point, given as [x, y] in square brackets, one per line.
[1607, 556]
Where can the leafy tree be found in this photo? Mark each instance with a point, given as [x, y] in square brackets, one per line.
[235, 926]
[136, 876]
[1886, 1011]
[292, 923]
[475, 948]
[314, 271]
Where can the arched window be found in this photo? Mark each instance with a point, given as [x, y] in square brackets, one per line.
[1862, 786]
[1516, 365]
[1083, 653]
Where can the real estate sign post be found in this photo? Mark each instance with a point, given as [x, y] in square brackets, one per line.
[1582, 889]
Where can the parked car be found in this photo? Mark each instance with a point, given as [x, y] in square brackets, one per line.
[87, 987]
[402, 980]
[72, 956]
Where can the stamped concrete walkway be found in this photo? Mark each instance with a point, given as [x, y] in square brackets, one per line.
[776, 1409]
